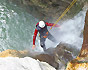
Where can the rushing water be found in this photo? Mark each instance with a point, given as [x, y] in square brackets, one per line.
[17, 28]
[71, 31]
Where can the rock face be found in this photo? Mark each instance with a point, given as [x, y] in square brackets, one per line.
[52, 55]
[81, 62]
[49, 9]
[84, 50]
[14, 53]
[26, 63]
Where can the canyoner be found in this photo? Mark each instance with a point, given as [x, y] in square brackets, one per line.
[41, 27]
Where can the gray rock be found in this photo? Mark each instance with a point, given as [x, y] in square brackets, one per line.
[49, 10]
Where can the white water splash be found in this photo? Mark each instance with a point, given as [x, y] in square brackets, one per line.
[70, 31]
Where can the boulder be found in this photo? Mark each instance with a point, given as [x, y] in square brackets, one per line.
[64, 52]
[47, 58]
[52, 55]
[55, 55]
[26, 63]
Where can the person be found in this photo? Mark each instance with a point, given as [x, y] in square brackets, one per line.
[41, 27]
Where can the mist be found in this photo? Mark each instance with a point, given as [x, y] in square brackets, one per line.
[70, 31]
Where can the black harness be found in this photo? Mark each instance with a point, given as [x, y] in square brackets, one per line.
[42, 31]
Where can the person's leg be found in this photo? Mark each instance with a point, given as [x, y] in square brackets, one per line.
[42, 43]
[52, 38]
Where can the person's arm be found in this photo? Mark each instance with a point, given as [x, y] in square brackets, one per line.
[34, 38]
[51, 24]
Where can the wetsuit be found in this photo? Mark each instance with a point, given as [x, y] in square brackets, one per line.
[42, 32]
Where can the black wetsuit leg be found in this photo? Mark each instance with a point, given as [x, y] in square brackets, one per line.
[50, 37]
[42, 43]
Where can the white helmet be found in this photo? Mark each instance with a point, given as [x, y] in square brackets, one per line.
[41, 24]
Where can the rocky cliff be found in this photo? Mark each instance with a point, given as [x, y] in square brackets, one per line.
[53, 56]
[26, 63]
[81, 62]
[49, 9]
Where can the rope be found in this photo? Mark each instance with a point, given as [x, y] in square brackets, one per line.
[67, 9]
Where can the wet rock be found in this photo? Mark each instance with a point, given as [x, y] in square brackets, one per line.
[52, 55]
[81, 62]
[84, 50]
[64, 51]
[63, 54]
[49, 9]
[47, 58]
[55, 56]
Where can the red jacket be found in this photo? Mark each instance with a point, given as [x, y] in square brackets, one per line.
[36, 31]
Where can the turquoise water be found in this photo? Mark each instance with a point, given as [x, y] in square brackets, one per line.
[16, 27]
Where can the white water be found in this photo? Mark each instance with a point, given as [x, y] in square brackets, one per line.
[70, 31]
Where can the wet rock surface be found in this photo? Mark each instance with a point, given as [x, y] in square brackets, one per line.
[52, 55]
[49, 10]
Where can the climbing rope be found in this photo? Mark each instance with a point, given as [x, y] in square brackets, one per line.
[67, 9]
